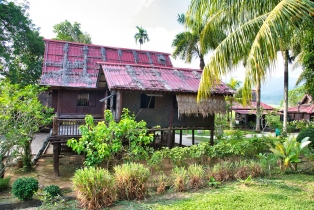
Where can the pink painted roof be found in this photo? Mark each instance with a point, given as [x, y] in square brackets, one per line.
[304, 108]
[71, 64]
[135, 77]
[68, 64]
[251, 106]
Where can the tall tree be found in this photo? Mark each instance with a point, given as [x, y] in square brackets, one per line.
[68, 32]
[21, 115]
[187, 43]
[21, 48]
[141, 36]
[307, 60]
[257, 30]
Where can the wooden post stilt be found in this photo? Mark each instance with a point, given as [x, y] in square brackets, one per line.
[56, 146]
[212, 136]
[180, 138]
[169, 139]
[193, 137]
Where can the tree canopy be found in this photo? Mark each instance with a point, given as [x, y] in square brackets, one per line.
[21, 48]
[307, 60]
[67, 32]
[256, 31]
[21, 115]
[187, 44]
[141, 36]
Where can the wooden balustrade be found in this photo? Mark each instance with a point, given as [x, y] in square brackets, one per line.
[68, 127]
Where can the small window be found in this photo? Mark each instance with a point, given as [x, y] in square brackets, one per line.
[83, 99]
[147, 101]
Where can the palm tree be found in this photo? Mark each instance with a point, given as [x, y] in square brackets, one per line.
[187, 43]
[257, 30]
[141, 36]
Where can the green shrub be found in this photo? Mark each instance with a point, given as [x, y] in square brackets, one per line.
[131, 180]
[161, 183]
[106, 140]
[4, 183]
[195, 175]
[52, 191]
[24, 188]
[308, 132]
[95, 187]
[180, 178]
[223, 171]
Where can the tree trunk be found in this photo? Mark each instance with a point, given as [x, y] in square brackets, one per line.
[202, 62]
[258, 105]
[231, 125]
[2, 167]
[285, 97]
[27, 156]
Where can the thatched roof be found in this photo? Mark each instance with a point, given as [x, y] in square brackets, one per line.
[188, 105]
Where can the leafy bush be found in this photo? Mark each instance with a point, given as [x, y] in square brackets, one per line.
[308, 132]
[244, 169]
[161, 183]
[223, 171]
[95, 187]
[301, 124]
[195, 175]
[4, 183]
[131, 180]
[107, 139]
[180, 178]
[52, 191]
[288, 152]
[24, 188]
[255, 169]
[267, 161]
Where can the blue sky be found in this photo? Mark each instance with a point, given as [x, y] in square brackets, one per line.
[113, 23]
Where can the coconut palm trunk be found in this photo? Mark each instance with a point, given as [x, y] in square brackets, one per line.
[202, 62]
[285, 96]
[258, 105]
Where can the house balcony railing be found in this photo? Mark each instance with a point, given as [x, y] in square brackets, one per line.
[68, 127]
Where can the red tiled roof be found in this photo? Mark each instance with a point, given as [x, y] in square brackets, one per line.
[248, 111]
[69, 64]
[251, 106]
[304, 108]
[148, 78]
[75, 65]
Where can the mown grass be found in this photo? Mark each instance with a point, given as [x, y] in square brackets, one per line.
[204, 136]
[207, 133]
[292, 191]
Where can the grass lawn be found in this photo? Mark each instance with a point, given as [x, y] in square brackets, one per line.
[205, 135]
[206, 132]
[292, 191]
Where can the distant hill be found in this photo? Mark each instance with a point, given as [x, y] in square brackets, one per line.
[272, 90]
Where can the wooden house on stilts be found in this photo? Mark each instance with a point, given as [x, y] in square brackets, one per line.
[87, 79]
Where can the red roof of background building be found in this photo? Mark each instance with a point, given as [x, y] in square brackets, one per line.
[251, 106]
[304, 108]
[148, 78]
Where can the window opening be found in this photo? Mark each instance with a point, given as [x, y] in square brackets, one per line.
[83, 99]
[147, 101]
